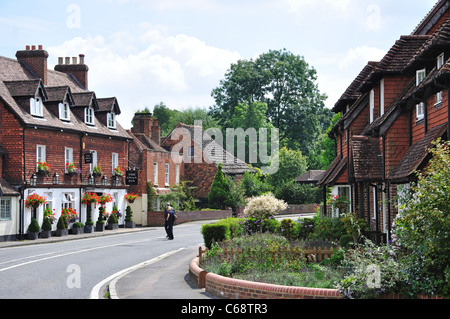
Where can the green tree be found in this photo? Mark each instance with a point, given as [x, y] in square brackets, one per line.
[423, 224]
[219, 194]
[324, 153]
[292, 164]
[286, 83]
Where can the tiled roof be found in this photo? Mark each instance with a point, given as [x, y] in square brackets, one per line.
[109, 105]
[397, 59]
[333, 172]
[366, 158]
[6, 189]
[352, 93]
[145, 143]
[416, 155]
[215, 153]
[17, 83]
[310, 177]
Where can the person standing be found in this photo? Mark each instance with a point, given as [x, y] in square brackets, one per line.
[170, 221]
[166, 222]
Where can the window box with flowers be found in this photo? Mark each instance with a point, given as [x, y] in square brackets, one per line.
[34, 201]
[118, 171]
[97, 171]
[71, 169]
[43, 168]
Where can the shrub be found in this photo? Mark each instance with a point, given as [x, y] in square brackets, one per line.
[213, 233]
[62, 222]
[34, 226]
[330, 229]
[346, 240]
[422, 226]
[288, 229]
[78, 225]
[129, 215]
[219, 195]
[47, 224]
[305, 227]
[264, 206]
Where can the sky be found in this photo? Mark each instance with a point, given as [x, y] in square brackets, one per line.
[178, 51]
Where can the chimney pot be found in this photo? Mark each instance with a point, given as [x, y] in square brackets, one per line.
[27, 48]
[67, 60]
[81, 58]
[60, 60]
[40, 47]
[74, 60]
[33, 47]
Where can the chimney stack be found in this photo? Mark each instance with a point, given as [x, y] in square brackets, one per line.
[156, 132]
[34, 59]
[78, 69]
[142, 124]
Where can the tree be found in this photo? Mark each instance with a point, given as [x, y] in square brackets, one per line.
[219, 195]
[292, 164]
[286, 83]
[324, 153]
[423, 223]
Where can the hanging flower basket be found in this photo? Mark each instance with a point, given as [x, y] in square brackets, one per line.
[34, 201]
[131, 197]
[90, 198]
[97, 171]
[105, 198]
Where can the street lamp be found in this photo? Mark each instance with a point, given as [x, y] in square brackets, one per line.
[104, 180]
[56, 179]
[116, 181]
[91, 180]
[33, 180]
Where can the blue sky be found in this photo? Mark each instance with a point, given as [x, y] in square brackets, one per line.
[177, 51]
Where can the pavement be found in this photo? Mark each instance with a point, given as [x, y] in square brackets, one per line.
[166, 277]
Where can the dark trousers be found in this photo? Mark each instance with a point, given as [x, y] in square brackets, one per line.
[169, 228]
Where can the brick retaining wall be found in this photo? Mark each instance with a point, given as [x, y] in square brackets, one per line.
[229, 288]
[157, 218]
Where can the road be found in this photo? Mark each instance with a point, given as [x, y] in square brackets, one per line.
[81, 269]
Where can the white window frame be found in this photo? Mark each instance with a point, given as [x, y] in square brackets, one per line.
[440, 61]
[191, 151]
[5, 208]
[68, 157]
[89, 116]
[40, 154]
[115, 162]
[94, 160]
[439, 97]
[48, 201]
[36, 108]
[64, 111]
[420, 111]
[382, 97]
[167, 175]
[155, 174]
[372, 105]
[111, 120]
[67, 200]
[420, 76]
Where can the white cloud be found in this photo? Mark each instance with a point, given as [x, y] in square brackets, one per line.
[149, 66]
[360, 56]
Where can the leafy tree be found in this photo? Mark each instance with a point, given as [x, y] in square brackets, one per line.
[254, 184]
[423, 224]
[180, 197]
[324, 152]
[286, 83]
[292, 164]
[219, 195]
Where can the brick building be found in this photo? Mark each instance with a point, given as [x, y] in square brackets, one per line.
[50, 116]
[158, 168]
[201, 157]
[391, 113]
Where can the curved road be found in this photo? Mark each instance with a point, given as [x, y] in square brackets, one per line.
[81, 269]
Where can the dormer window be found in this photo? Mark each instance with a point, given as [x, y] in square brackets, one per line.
[440, 61]
[420, 76]
[36, 106]
[64, 111]
[111, 119]
[89, 116]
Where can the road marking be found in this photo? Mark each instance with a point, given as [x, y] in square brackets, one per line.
[95, 292]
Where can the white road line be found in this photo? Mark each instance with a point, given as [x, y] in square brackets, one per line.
[95, 292]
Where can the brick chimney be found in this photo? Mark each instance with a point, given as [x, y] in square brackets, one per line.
[77, 68]
[35, 60]
[142, 124]
[156, 132]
